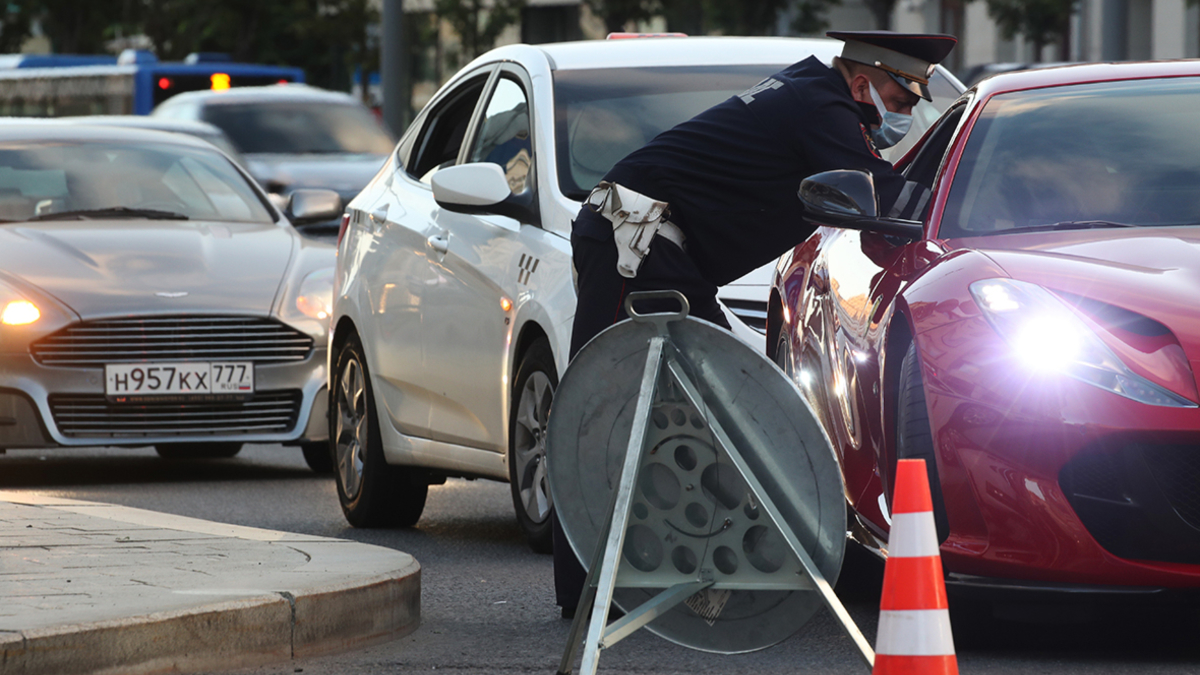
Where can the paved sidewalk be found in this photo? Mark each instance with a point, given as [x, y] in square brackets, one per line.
[96, 588]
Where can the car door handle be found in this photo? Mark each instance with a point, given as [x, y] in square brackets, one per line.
[440, 243]
[378, 216]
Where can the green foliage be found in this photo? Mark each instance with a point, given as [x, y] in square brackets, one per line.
[881, 11]
[1041, 22]
[747, 17]
[74, 27]
[327, 38]
[477, 24]
[14, 27]
[697, 17]
[812, 16]
[617, 13]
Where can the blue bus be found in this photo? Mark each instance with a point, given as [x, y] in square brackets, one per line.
[64, 85]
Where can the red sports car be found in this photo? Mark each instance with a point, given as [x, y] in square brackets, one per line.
[1034, 337]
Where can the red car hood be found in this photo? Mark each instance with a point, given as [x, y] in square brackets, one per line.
[1152, 271]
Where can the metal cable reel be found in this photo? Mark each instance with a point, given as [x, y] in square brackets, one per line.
[695, 478]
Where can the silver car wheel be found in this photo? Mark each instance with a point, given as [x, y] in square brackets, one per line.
[351, 428]
[533, 413]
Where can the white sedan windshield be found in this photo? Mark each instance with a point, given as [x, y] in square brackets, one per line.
[604, 114]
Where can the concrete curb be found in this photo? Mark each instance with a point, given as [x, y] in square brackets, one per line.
[342, 595]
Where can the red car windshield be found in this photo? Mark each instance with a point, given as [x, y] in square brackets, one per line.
[1106, 154]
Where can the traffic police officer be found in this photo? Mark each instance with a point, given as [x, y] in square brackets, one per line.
[715, 197]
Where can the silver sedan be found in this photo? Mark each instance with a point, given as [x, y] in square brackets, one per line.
[150, 294]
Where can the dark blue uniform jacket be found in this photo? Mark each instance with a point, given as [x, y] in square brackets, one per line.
[731, 173]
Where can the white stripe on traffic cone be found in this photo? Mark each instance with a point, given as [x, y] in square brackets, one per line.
[914, 618]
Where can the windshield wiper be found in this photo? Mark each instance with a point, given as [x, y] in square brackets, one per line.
[111, 212]
[1068, 225]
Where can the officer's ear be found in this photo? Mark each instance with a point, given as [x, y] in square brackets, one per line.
[860, 88]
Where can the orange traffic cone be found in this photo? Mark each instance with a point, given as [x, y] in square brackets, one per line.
[914, 618]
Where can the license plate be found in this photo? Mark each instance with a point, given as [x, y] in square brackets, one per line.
[183, 379]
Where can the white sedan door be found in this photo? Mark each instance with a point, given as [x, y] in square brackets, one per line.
[481, 261]
[406, 265]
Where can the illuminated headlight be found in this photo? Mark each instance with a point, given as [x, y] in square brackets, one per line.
[16, 309]
[1047, 336]
[19, 313]
[315, 299]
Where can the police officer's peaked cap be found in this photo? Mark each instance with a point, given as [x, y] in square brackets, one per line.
[908, 57]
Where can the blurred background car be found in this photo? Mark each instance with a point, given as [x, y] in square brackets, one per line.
[293, 136]
[150, 294]
[972, 76]
[204, 130]
[453, 314]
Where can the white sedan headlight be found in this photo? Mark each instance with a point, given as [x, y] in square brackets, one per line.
[1047, 336]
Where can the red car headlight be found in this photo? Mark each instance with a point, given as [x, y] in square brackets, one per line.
[1047, 336]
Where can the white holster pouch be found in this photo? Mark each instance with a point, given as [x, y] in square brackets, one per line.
[635, 218]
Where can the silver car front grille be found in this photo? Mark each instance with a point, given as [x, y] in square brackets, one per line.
[172, 338]
[92, 416]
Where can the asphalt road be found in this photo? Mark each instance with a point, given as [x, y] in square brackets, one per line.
[487, 601]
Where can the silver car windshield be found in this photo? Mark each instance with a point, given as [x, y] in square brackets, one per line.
[1109, 154]
[300, 127]
[59, 180]
[602, 115]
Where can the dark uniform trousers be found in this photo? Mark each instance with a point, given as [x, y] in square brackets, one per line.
[601, 291]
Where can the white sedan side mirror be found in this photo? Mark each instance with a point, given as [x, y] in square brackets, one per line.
[470, 185]
[482, 188]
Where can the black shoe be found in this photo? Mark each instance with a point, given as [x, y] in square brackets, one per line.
[614, 613]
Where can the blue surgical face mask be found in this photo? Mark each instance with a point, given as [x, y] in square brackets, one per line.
[892, 126]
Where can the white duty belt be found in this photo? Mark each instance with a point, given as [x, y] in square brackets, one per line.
[635, 218]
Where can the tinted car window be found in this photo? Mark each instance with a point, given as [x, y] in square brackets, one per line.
[1117, 151]
[504, 135]
[443, 134]
[602, 115]
[300, 127]
[43, 180]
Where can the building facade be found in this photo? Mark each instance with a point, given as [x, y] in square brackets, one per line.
[1101, 30]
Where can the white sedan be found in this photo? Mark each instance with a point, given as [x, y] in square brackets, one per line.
[453, 293]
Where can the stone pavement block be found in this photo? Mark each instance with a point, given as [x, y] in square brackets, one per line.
[12, 648]
[350, 616]
[97, 588]
[241, 632]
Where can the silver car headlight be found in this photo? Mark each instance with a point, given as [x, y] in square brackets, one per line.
[311, 305]
[315, 299]
[1047, 336]
[16, 309]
